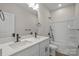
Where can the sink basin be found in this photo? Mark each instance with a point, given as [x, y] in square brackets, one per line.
[38, 37]
[19, 44]
[33, 39]
[26, 37]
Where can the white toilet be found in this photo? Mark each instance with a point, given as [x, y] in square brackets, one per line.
[53, 49]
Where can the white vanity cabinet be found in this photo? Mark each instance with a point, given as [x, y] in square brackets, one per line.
[44, 48]
[30, 51]
[39, 49]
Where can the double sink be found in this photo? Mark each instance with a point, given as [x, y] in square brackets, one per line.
[24, 41]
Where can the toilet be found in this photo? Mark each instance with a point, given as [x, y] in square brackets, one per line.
[53, 49]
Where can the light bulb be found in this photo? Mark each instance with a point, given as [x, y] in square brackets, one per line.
[35, 6]
[59, 5]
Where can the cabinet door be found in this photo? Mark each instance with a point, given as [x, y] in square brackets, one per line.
[0, 52]
[44, 48]
[31, 51]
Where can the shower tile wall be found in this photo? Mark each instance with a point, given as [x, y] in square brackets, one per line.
[66, 37]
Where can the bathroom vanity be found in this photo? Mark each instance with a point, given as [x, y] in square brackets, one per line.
[27, 47]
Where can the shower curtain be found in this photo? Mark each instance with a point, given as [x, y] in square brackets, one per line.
[65, 38]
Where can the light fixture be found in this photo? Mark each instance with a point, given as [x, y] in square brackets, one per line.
[35, 6]
[59, 5]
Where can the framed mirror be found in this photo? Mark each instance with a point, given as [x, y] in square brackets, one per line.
[7, 27]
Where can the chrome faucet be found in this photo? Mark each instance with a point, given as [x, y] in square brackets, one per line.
[35, 35]
[17, 37]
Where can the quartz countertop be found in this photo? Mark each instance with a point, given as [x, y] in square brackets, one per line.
[7, 50]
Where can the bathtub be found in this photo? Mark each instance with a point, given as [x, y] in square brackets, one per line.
[70, 50]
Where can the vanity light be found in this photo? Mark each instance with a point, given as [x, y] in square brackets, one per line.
[30, 4]
[35, 6]
[59, 5]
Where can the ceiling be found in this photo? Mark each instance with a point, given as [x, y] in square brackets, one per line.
[25, 6]
[54, 6]
[49, 6]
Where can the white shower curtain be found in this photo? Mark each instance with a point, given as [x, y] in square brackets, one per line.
[65, 38]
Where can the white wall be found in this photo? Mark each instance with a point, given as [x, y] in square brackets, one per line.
[44, 20]
[77, 19]
[77, 9]
[24, 19]
[63, 13]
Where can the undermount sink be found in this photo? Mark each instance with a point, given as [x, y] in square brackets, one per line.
[39, 37]
[19, 44]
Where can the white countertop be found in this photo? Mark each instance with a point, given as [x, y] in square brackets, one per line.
[7, 50]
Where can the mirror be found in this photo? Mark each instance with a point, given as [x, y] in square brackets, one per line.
[7, 27]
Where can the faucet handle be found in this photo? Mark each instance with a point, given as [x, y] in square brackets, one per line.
[13, 34]
[35, 34]
[18, 36]
[31, 33]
